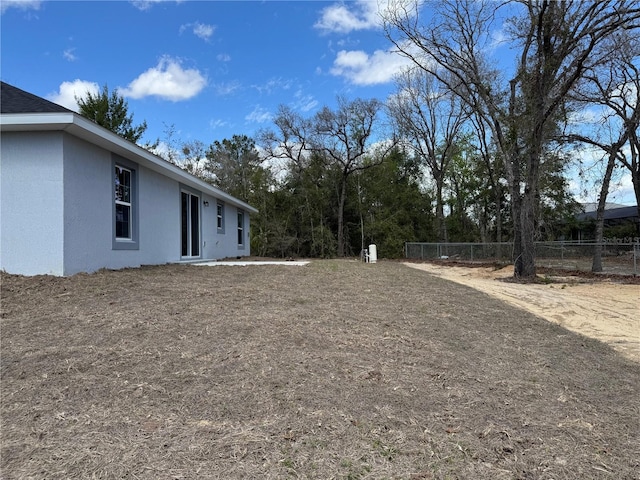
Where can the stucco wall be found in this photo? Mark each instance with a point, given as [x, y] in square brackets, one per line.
[89, 213]
[218, 245]
[87, 205]
[31, 203]
[57, 216]
[88, 232]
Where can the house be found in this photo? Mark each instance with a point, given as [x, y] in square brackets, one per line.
[619, 221]
[75, 197]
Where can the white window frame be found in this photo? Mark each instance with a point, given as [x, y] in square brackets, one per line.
[241, 236]
[220, 216]
[124, 203]
[132, 241]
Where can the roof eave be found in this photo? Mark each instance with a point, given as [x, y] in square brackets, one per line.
[85, 129]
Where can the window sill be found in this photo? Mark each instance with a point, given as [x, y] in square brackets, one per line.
[125, 244]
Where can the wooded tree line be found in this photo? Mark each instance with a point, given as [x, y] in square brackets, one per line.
[463, 151]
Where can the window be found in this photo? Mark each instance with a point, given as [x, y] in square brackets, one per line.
[220, 216]
[125, 204]
[240, 229]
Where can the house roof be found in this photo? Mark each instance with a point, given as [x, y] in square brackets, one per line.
[14, 100]
[25, 112]
[593, 207]
[612, 214]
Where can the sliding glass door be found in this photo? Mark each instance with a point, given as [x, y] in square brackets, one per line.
[190, 234]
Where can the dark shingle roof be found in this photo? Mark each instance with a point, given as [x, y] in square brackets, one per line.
[612, 214]
[14, 100]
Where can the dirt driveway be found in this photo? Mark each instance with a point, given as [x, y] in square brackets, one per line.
[606, 310]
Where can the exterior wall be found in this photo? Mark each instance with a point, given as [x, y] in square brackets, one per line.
[31, 203]
[89, 220]
[89, 223]
[222, 244]
[87, 207]
[57, 213]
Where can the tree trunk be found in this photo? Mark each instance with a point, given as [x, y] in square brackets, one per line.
[442, 228]
[498, 200]
[527, 264]
[596, 265]
[516, 211]
[341, 202]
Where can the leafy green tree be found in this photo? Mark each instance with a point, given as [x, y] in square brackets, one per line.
[555, 205]
[393, 207]
[487, 169]
[304, 191]
[337, 144]
[235, 167]
[464, 187]
[344, 137]
[110, 110]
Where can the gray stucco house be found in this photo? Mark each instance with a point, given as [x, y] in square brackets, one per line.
[75, 197]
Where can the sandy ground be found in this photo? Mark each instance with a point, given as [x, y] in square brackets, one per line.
[604, 310]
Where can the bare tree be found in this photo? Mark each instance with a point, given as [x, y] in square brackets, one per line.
[193, 159]
[491, 163]
[616, 88]
[430, 117]
[556, 41]
[344, 136]
[289, 142]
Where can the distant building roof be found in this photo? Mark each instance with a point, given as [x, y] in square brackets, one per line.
[14, 100]
[592, 207]
[612, 213]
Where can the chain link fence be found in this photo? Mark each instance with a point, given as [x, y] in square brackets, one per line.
[618, 257]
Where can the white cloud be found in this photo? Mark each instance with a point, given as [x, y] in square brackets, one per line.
[259, 115]
[69, 55]
[162, 149]
[203, 31]
[345, 18]
[273, 85]
[144, 4]
[200, 30]
[226, 88]
[360, 68]
[217, 123]
[147, 4]
[499, 38]
[20, 4]
[68, 91]
[167, 80]
[585, 186]
[304, 103]
[223, 57]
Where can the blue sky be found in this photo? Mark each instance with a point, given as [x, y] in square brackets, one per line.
[209, 69]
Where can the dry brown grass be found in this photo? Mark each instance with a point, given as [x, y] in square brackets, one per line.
[333, 370]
